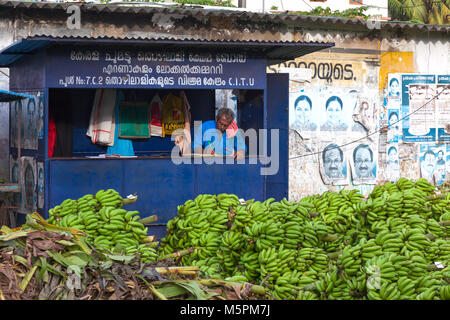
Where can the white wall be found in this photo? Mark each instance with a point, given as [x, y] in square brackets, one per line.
[379, 6]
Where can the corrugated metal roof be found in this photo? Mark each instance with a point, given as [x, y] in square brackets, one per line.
[222, 12]
[274, 52]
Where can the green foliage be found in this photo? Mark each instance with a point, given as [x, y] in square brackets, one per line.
[420, 11]
[358, 12]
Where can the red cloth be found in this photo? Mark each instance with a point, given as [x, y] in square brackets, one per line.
[51, 135]
[232, 130]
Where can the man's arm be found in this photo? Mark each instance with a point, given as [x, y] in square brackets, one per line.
[241, 148]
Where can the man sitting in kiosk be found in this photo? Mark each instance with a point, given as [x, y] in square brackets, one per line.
[220, 136]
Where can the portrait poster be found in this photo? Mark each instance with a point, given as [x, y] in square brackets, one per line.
[14, 126]
[40, 125]
[447, 162]
[394, 126]
[443, 108]
[433, 162]
[392, 172]
[363, 162]
[40, 185]
[302, 112]
[418, 108]
[30, 122]
[333, 163]
[394, 87]
[326, 111]
[28, 185]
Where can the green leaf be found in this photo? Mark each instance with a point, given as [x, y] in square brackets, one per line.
[121, 258]
[21, 260]
[65, 243]
[13, 235]
[24, 283]
[196, 291]
[172, 290]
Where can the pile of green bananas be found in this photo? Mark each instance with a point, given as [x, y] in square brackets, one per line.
[106, 224]
[337, 245]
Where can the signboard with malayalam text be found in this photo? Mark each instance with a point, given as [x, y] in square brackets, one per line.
[102, 67]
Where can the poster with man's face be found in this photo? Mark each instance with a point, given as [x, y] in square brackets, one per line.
[40, 185]
[433, 163]
[40, 127]
[333, 164]
[28, 184]
[30, 122]
[14, 113]
[364, 163]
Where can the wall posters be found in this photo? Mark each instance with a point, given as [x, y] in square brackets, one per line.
[433, 162]
[418, 108]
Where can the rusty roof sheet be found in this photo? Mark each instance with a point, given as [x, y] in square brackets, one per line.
[274, 52]
[200, 11]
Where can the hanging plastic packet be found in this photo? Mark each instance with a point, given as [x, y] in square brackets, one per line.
[156, 120]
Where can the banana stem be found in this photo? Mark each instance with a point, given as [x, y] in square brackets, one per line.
[149, 219]
[178, 270]
[445, 223]
[431, 236]
[126, 201]
[330, 237]
[177, 254]
[334, 255]
[310, 287]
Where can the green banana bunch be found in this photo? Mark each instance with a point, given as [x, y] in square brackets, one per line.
[109, 198]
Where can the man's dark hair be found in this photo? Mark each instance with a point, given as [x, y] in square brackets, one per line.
[362, 146]
[330, 147]
[429, 152]
[440, 162]
[440, 151]
[392, 148]
[228, 113]
[333, 98]
[301, 98]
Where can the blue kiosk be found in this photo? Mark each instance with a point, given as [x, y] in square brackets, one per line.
[63, 74]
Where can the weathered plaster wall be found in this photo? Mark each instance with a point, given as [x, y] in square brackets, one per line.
[371, 59]
[5, 38]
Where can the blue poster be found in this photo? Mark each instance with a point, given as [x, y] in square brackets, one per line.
[443, 107]
[418, 108]
[394, 131]
[432, 162]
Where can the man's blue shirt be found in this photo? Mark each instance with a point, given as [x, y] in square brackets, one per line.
[208, 136]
